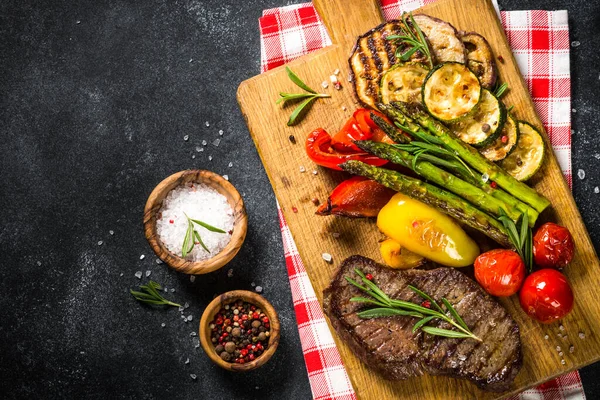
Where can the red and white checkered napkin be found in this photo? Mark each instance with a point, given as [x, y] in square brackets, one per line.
[540, 42]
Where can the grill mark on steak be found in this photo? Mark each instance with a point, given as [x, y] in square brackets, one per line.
[389, 346]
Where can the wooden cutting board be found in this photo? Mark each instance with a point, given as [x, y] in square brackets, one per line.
[283, 161]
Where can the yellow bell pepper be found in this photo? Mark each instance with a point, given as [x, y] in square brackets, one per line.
[426, 232]
[398, 257]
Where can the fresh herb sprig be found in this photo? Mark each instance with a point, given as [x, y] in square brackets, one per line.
[522, 238]
[192, 236]
[149, 295]
[387, 307]
[427, 148]
[308, 98]
[414, 38]
[500, 89]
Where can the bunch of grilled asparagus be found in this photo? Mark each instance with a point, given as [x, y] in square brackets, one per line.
[460, 181]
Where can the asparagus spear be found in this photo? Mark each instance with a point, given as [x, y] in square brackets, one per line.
[474, 159]
[444, 201]
[440, 177]
[417, 132]
[389, 130]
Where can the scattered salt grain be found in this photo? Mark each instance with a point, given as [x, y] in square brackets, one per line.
[216, 142]
[561, 354]
[333, 79]
[193, 376]
[192, 333]
[596, 189]
[336, 72]
[207, 123]
[186, 305]
[252, 284]
[138, 274]
[199, 202]
[230, 165]
[485, 177]
[39, 263]
[315, 172]
[336, 234]
[258, 289]
[226, 177]
[581, 174]
[546, 337]
[563, 362]
[343, 108]
[100, 242]
[148, 273]
[256, 387]
[324, 85]
[350, 78]
[193, 156]
[571, 349]
[327, 257]
[230, 273]
[562, 328]
[220, 132]
[198, 149]
[302, 169]
[163, 325]
[581, 335]
[187, 361]
[121, 274]
[159, 261]
[210, 158]
[575, 43]
[573, 110]
[172, 290]
[111, 232]
[204, 143]
[78, 22]
[165, 289]
[557, 348]
[142, 257]
[189, 318]
[186, 137]
[192, 278]
[181, 309]
[191, 59]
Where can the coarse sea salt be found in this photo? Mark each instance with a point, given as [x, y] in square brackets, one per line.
[199, 202]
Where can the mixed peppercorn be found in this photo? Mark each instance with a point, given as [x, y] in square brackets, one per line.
[240, 332]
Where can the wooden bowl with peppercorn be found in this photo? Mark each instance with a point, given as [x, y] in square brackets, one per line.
[195, 221]
[239, 330]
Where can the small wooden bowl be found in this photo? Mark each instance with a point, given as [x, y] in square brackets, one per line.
[213, 308]
[221, 185]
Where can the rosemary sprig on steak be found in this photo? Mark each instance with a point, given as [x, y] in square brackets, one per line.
[387, 307]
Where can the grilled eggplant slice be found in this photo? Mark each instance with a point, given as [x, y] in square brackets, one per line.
[480, 58]
[451, 91]
[505, 143]
[483, 126]
[372, 55]
[528, 157]
[403, 82]
[443, 37]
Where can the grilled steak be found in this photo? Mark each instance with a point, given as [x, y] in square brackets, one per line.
[389, 346]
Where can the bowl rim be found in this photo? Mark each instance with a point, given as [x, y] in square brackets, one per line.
[229, 297]
[154, 203]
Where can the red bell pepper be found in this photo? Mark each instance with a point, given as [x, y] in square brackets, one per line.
[320, 151]
[356, 197]
[351, 131]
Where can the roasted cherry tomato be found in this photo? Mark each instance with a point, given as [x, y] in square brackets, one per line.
[500, 272]
[318, 148]
[546, 296]
[553, 246]
[356, 197]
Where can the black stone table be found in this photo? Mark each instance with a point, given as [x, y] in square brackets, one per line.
[96, 98]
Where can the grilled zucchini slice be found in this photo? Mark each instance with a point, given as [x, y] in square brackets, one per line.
[480, 58]
[528, 156]
[483, 126]
[443, 37]
[403, 82]
[505, 143]
[451, 91]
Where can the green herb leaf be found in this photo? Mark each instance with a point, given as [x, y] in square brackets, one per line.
[299, 112]
[455, 315]
[426, 297]
[207, 226]
[294, 78]
[150, 295]
[444, 332]
[199, 240]
[387, 312]
[509, 109]
[422, 322]
[292, 96]
[500, 90]
[188, 240]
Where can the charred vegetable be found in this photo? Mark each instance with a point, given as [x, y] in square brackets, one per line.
[480, 58]
[528, 156]
[505, 143]
[451, 91]
[403, 83]
[443, 38]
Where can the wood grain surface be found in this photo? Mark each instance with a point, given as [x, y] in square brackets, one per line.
[314, 235]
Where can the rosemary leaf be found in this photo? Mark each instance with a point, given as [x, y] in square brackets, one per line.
[149, 295]
[188, 240]
[299, 111]
[500, 90]
[387, 312]
[207, 226]
[292, 96]
[455, 315]
[199, 240]
[294, 78]
[444, 332]
[422, 322]
[426, 297]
